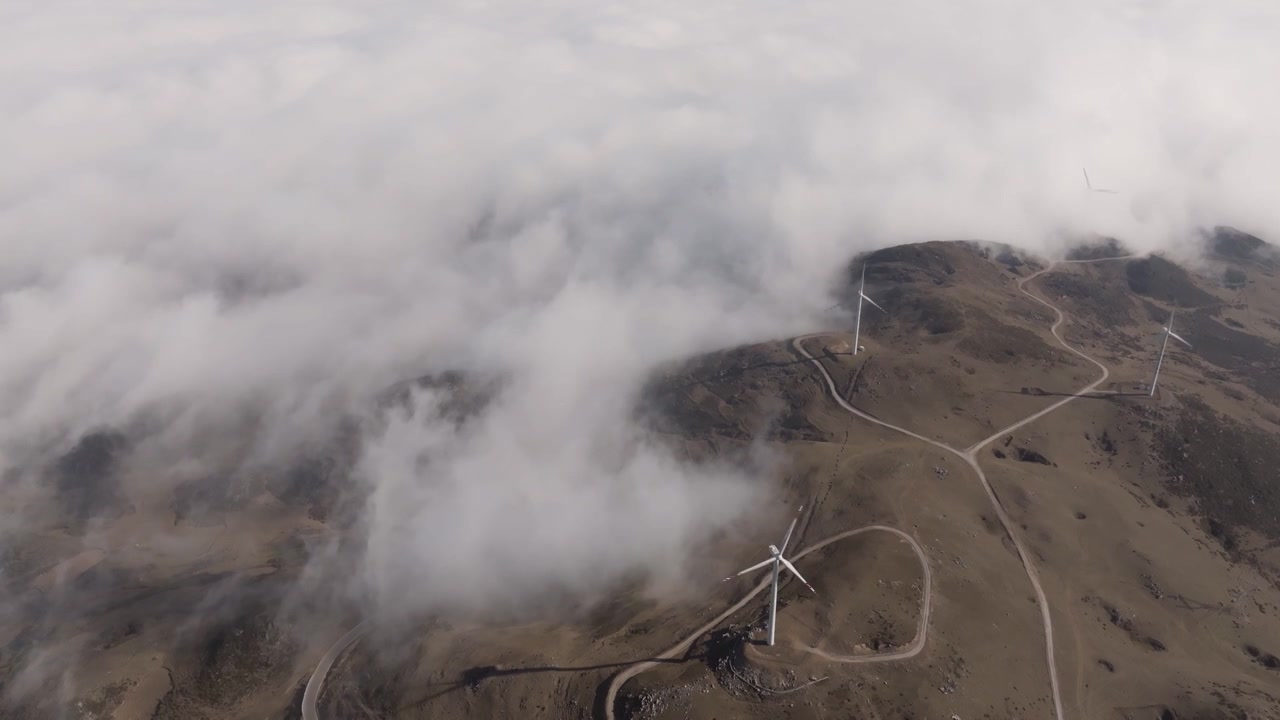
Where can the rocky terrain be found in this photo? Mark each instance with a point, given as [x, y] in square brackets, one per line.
[1154, 522]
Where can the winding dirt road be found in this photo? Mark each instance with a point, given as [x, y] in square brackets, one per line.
[922, 627]
[316, 682]
[969, 455]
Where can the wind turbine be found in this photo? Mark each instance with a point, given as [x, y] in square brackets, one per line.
[1090, 185]
[1168, 333]
[777, 561]
[862, 295]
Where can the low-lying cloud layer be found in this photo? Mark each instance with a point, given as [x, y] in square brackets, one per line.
[213, 211]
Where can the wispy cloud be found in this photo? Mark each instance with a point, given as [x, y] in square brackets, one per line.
[211, 208]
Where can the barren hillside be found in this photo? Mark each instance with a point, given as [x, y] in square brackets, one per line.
[1151, 522]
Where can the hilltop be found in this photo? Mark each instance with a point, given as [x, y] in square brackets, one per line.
[1153, 522]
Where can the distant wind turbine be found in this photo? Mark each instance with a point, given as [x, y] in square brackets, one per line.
[777, 561]
[1168, 333]
[862, 295]
[1090, 185]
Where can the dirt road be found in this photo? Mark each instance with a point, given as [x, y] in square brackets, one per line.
[922, 628]
[316, 682]
[969, 455]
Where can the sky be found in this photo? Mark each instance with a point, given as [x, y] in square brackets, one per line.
[220, 215]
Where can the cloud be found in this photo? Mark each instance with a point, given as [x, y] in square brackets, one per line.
[209, 209]
[511, 511]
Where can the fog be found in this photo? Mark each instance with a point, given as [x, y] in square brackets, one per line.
[213, 211]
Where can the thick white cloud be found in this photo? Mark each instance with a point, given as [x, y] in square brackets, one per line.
[208, 204]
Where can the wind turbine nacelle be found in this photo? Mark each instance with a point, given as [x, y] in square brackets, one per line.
[774, 551]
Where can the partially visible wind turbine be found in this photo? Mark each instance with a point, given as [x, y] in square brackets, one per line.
[777, 561]
[1168, 333]
[1090, 185]
[862, 295]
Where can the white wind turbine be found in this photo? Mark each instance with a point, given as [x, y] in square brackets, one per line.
[862, 295]
[1168, 333]
[1090, 185]
[777, 561]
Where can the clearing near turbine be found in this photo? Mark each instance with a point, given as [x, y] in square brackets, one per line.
[777, 561]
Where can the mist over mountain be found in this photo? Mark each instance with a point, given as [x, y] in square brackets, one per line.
[229, 228]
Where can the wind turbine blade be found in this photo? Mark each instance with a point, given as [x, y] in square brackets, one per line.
[796, 572]
[1178, 337]
[873, 302]
[787, 538]
[753, 568]
[1089, 184]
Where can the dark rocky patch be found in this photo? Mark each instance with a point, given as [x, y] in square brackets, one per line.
[1031, 456]
[796, 426]
[725, 394]
[1222, 534]
[932, 259]
[1101, 249]
[318, 480]
[85, 479]
[1102, 302]
[202, 501]
[1125, 623]
[103, 702]
[1226, 467]
[991, 340]
[1230, 243]
[1116, 618]
[1234, 279]
[472, 677]
[1152, 586]
[929, 313]
[903, 280]
[119, 633]
[1106, 444]
[1265, 659]
[1159, 279]
[226, 660]
[1010, 259]
[998, 453]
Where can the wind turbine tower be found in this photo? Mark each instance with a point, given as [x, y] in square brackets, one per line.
[777, 561]
[1168, 333]
[862, 295]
